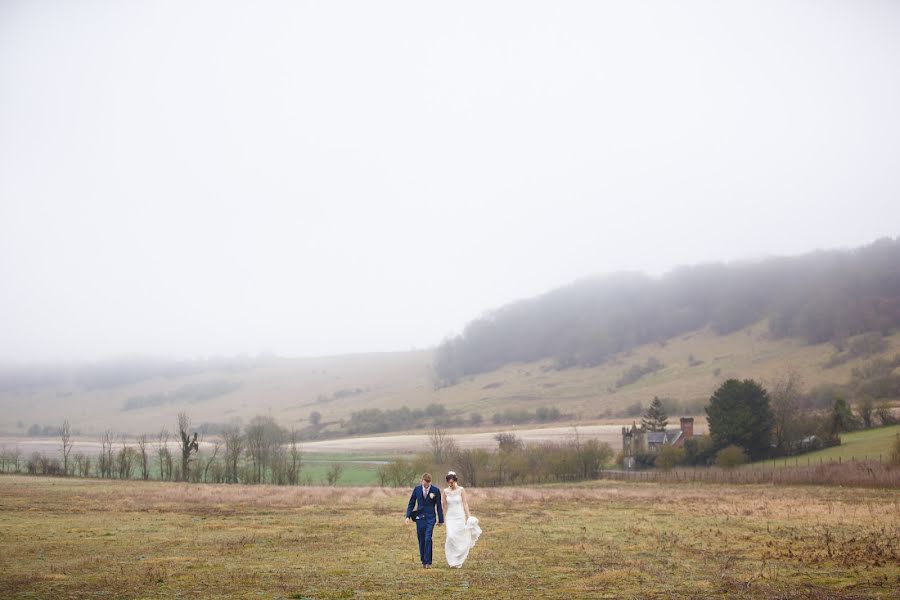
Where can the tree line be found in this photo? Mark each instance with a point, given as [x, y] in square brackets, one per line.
[512, 462]
[819, 297]
[264, 452]
[260, 452]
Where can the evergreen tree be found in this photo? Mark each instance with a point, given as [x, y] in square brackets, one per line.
[842, 418]
[655, 419]
[739, 414]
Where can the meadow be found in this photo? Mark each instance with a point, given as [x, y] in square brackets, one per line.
[71, 538]
[868, 444]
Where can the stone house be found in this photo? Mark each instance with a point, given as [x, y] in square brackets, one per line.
[636, 440]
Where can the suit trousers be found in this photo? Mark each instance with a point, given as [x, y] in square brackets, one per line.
[424, 529]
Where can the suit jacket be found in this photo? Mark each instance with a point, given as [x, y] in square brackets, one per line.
[427, 504]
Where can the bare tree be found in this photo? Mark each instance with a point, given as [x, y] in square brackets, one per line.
[508, 446]
[866, 409]
[212, 458]
[471, 463]
[384, 474]
[296, 457]
[442, 445]
[785, 402]
[66, 438]
[264, 438]
[16, 459]
[78, 466]
[165, 457]
[125, 460]
[189, 446]
[106, 454]
[884, 412]
[234, 445]
[145, 463]
[334, 473]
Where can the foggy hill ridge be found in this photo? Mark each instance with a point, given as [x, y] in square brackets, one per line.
[820, 297]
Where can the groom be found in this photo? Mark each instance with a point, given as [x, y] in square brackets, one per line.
[429, 499]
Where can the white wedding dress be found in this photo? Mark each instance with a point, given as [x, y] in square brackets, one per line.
[461, 534]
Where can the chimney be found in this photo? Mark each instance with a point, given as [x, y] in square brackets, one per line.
[687, 427]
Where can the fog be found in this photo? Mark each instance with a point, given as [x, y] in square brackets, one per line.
[216, 178]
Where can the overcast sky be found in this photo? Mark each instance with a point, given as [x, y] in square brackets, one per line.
[193, 178]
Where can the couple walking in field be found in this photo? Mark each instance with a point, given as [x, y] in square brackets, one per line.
[427, 506]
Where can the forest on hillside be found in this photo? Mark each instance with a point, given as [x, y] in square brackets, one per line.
[824, 296]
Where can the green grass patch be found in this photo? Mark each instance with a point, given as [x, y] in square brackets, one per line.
[868, 444]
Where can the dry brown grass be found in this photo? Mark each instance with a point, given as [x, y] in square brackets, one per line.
[864, 473]
[89, 538]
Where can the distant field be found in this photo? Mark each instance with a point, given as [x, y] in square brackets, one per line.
[870, 444]
[291, 389]
[89, 538]
[416, 442]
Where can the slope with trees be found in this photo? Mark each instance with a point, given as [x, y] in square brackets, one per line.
[819, 297]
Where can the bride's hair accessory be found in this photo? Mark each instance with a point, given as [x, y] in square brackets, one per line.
[451, 475]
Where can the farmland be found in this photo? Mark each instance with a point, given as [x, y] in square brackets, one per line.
[87, 538]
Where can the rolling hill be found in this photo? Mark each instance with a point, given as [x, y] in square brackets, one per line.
[689, 368]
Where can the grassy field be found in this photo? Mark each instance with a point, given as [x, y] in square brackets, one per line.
[859, 445]
[358, 469]
[87, 538]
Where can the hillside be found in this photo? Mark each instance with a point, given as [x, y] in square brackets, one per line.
[289, 390]
[818, 297]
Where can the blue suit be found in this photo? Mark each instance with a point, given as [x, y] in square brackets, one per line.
[426, 517]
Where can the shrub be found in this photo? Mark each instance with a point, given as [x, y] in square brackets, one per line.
[644, 460]
[699, 450]
[669, 456]
[731, 457]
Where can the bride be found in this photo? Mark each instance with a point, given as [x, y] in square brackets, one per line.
[462, 527]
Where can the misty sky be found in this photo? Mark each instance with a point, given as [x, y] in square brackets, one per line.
[193, 178]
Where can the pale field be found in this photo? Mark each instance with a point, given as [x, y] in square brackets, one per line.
[288, 389]
[88, 538]
[387, 444]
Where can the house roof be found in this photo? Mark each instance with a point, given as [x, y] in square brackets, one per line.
[656, 437]
[669, 436]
